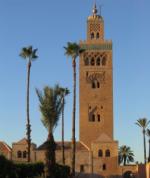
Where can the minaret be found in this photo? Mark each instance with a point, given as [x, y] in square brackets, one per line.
[95, 78]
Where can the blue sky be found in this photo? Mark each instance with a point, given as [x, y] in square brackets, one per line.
[48, 26]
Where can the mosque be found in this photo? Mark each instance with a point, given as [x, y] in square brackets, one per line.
[96, 150]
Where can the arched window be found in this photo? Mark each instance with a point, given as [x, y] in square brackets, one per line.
[92, 62]
[104, 61]
[97, 35]
[98, 84]
[92, 35]
[98, 118]
[100, 153]
[93, 117]
[98, 62]
[104, 166]
[107, 153]
[86, 61]
[93, 85]
[24, 154]
[19, 154]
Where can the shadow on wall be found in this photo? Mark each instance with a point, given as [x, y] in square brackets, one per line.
[86, 175]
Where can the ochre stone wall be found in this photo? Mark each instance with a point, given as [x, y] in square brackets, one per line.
[22, 146]
[82, 158]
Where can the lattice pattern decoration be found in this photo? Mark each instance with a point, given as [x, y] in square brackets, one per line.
[94, 27]
[95, 76]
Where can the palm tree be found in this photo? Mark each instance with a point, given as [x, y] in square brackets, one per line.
[143, 123]
[125, 155]
[29, 54]
[50, 107]
[148, 134]
[63, 92]
[73, 50]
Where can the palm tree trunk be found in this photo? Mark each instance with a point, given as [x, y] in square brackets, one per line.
[144, 146]
[63, 148]
[50, 156]
[124, 160]
[149, 152]
[28, 126]
[73, 118]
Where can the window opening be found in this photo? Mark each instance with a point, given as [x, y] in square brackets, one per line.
[81, 168]
[19, 154]
[97, 36]
[93, 85]
[104, 166]
[98, 62]
[100, 153]
[86, 61]
[93, 117]
[92, 35]
[92, 62]
[24, 154]
[107, 153]
[98, 118]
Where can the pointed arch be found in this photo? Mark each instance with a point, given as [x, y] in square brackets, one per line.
[86, 61]
[92, 35]
[92, 62]
[97, 35]
[100, 153]
[98, 61]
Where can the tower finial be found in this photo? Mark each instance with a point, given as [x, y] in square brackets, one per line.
[94, 9]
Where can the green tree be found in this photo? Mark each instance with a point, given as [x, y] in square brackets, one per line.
[63, 92]
[143, 123]
[125, 155]
[73, 50]
[29, 54]
[50, 107]
[148, 134]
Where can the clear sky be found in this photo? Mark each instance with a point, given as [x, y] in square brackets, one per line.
[48, 25]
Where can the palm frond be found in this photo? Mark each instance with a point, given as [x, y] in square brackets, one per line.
[73, 50]
[50, 106]
[142, 122]
[29, 53]
[125, 154]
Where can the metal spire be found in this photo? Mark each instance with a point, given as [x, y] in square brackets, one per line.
[94, 10]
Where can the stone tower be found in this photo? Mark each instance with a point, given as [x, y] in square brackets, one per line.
[96, 96]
